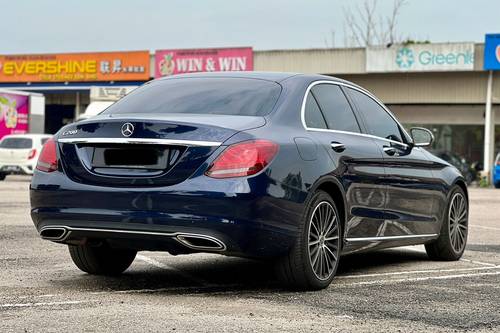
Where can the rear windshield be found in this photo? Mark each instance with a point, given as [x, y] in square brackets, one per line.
[226, 96]
[16, 143]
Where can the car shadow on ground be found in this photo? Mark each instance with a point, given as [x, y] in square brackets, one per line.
[221, 274]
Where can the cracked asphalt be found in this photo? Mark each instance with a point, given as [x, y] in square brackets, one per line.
[396, 290]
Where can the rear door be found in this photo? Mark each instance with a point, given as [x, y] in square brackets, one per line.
[356, 158]
[412, 191]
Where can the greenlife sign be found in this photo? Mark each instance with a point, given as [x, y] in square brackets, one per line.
[421, 58]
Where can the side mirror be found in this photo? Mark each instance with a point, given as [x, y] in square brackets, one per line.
[422, 137]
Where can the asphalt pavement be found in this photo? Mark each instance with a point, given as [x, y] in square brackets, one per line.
[396, 290]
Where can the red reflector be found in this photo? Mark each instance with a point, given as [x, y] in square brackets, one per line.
[32, 154]
[243, 159]
[47, 161]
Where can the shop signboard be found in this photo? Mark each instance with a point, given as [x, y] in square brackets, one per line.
[75, 67]
[13, 114]
[170, 62]
[492, 52]
[420, 58]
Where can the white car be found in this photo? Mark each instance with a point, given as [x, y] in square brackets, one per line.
[19, 153]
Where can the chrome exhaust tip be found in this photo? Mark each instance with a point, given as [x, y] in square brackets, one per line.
[53, 233]
[201, 242]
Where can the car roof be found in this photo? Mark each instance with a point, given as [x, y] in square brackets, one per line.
[268, 76]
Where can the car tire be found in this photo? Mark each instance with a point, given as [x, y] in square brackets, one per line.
[301, 268]
[497, 185]
[101, 260]
[2, 176]
[453, 236]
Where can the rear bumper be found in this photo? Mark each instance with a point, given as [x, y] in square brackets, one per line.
[248, 217]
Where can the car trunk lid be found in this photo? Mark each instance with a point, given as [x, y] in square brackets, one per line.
[146, 150]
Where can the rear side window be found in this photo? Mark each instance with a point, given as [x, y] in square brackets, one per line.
[378, 121]
[312, 114]
[44, 140]
[16, 143]
[336, 109]
[225, 96]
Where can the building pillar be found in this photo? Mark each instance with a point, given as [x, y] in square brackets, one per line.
[77, 105]
[489, 131]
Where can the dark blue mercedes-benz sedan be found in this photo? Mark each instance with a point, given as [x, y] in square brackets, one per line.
[300, 169]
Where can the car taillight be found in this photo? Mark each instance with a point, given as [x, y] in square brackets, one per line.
[243, 159]
[32, 154]
[47, 161]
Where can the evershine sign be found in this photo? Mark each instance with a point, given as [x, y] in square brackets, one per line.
[170, 62]
[73, 67]
[421, 58]
[492, 52]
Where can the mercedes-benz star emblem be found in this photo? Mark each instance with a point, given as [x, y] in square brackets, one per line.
[127, 129]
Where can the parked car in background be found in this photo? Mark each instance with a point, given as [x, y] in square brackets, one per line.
[458, 162]
[496, 172]
[19, 153]
[298, 169]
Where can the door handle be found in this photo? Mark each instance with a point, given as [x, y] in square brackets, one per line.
[337, 146]
[391, 151]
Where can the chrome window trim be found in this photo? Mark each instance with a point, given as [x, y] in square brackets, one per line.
[389, 238]
[141, 141]
[363, 91]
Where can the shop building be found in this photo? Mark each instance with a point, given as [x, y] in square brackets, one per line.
[66, 79]
[439, 86]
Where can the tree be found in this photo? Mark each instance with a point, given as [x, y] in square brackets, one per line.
[362, 26]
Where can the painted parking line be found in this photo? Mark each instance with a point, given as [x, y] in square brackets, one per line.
[420, 249]
[197, 290]
[484, 227]
[358, 276]
[481, 263]
[411, 248]
[426, 278]
[177, 271]
[186, 290]
[31, 304]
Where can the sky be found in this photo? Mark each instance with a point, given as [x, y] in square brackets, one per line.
[50, 26]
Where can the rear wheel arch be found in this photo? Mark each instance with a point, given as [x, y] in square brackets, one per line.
[460, 182]
[335, 190]
[447, 247]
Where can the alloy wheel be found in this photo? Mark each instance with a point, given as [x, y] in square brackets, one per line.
[324, 243]
[458, 222]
